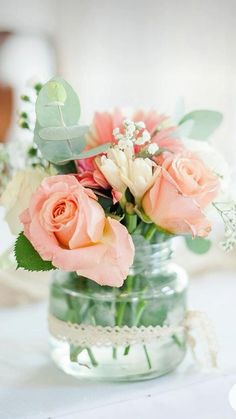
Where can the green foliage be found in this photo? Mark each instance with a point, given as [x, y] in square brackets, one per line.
[93, 151]
[58, 134]
[38, 87]
[28, 258]
[201, 123]
[56, 101]
[198, 245]
[67, 168]
[25, 98]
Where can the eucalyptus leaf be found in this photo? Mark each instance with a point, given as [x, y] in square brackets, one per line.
[57, 133]
[63, 133]
[205, 123]
[59, 151]
[184, 130]
[57, 101]
[56, 91]
[93, 151]
[198, 244]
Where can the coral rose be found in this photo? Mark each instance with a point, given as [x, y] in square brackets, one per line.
[66, 225]
[179, 195]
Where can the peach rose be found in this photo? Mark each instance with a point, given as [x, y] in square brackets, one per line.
[179, 195]
[66, 225]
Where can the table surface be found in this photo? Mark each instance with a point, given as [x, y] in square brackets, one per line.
[31, 387]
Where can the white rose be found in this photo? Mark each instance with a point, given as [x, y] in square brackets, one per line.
[16, 196]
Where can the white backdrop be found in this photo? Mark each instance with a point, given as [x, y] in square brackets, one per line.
[148, 53]
[141, 53]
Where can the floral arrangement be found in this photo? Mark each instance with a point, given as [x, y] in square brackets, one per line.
[98, 204]
[91, 190]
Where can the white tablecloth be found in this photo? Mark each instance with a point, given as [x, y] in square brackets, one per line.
[31, 387]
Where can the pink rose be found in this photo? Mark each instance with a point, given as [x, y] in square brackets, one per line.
[181, 192]
[66, 225]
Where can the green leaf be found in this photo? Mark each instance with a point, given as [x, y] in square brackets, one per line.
[28, 258]
[56, 91]
[198, 244]
[57, 133]
[184, 130]
[63, 133]
[59, 151]
[93, 151]
[67, 168]
[205, 123]
[105, 202]
[56, 99]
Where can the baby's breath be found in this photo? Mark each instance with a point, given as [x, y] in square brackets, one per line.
[152, 148]
[133, 133]
[227, 212]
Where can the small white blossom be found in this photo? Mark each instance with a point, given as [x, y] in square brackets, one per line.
[144, 138]
[140, 125]
[116, 131]
[123, 144]
[153, 148]
[131, 134]
[227, 212]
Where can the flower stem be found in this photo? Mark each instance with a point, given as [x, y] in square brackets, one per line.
[139, 313]
[147, 357]
[121, 310]
[131, 222]
[92, 358]
[150, 232]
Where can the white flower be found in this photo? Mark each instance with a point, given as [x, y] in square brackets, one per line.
[140, 177]
[17, 194]
[145, 137]
[111, 172]
[140, 125]
[116, 131]
[153, 148]
[122, 170]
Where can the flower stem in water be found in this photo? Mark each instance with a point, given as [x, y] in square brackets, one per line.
[147, 357]
[92, 358]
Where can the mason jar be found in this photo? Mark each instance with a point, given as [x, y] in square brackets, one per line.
[135, 332]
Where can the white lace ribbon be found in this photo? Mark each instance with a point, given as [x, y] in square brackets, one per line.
[85, 335]
[196, 327]
[201, 338]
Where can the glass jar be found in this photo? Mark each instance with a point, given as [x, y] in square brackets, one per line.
[130, 333]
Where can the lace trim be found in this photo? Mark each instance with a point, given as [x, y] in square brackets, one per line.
[85, 335]
[196, 327]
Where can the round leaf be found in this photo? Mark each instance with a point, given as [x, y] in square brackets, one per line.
[57, 104]
[62, 133]
[198, 244]
[205, 123]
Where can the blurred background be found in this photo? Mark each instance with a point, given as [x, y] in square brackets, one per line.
[126, 53]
